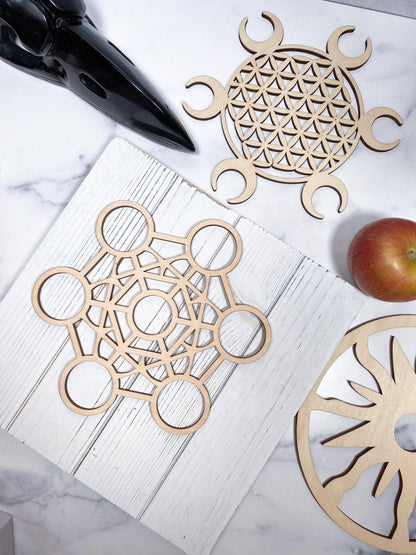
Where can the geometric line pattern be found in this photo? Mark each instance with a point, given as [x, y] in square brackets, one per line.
[150, 320]
[293, 113]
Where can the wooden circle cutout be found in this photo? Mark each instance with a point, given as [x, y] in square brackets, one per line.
[230, 264]
[66, 394]
[371, 430]
[152, 316]
[258, 320]
[160, 417]
[290, 112]
[122, 225]
[73, 315]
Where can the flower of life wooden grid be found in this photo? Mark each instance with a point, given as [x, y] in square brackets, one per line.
[367, 434]
[297, 112]
[179, 288]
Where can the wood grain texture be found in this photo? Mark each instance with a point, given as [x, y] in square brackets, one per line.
[369, 432]
[185, 487]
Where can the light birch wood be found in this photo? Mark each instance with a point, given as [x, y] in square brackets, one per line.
[178, 298]
[296, 111]
[374, 433]
[184, 486]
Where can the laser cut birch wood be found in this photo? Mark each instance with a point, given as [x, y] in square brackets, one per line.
[177, 284]
[392, 397]
[297, 112]
[184, 486]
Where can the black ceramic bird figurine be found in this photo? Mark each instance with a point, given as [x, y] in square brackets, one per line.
[57, 41]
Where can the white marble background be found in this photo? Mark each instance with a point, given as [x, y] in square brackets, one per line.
[49, 141]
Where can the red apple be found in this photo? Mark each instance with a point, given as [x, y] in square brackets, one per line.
[382, 259]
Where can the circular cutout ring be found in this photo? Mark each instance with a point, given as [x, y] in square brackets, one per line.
[264, 345]
[37, 290]
[70, 403]
[99, 227]
[175, 429]
[237, 240]
[145, 295]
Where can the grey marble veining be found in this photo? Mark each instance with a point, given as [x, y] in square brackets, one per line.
[51, 138]
[55, 514]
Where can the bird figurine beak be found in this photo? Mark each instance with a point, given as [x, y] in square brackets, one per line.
[57, 41]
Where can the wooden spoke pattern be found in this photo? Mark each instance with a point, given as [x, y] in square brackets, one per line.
[374, 433]
[152, 316]
[296, 111]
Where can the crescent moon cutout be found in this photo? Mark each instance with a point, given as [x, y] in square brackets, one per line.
[366, 128]
[318, 180]
[262, 46]
[218, 102]
[346, 61]
[247, 106]
[244, 168]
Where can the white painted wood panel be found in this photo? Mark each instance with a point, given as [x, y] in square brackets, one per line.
[184, 487]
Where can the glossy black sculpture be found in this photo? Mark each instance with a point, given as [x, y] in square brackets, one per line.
[56, 40]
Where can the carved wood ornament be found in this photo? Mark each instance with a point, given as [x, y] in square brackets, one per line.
[297, 112]
[384, 405]
[125, 347]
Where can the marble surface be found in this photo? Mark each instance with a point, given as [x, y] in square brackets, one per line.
[406, 8]
[51, 139]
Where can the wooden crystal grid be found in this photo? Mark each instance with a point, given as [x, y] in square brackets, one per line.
[392, 397]
[112, 307]
[297, 112]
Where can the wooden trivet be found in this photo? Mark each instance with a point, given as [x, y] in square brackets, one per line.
[393, 398]
[179, 285]
[297, 112]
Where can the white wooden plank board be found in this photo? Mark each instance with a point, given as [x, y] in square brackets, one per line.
[213, 464]
[184, 487]
[154, 463]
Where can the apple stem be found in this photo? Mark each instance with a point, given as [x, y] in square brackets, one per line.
[411, 253]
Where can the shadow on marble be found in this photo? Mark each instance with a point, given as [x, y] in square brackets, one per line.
[341, 239]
